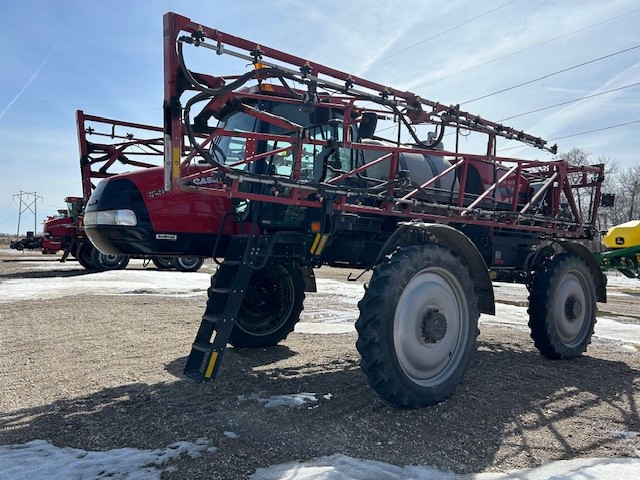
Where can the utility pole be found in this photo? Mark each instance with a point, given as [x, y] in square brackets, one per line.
[30, 200]
[634, 192]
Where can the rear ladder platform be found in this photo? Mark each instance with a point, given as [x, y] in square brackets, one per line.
[223, 305]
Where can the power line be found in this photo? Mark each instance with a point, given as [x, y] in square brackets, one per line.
[558, 104]
[3, 218]
[579, 133]
[567, 102]
[596, 130]
[435, 36]
[551, 74]
[525, 49]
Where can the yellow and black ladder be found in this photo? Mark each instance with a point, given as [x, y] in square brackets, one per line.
[223, 305]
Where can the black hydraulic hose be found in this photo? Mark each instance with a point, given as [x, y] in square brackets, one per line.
[256, 73]
[189, 129]
[291, 91]
[210, 90]
[413, 134]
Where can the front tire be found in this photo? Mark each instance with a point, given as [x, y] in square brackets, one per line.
[418, 326]
[111, 261]
[562, 307]
[85, 256]
[163, 263]
[188, 264]
[270, 308]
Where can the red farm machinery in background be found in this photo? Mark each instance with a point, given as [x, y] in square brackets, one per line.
[283, 166]
[108, 147]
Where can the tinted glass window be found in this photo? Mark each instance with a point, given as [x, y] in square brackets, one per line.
[231, 149]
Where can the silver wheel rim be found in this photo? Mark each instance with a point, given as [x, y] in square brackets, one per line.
[110, 260]
[430, 327]
[188, 262]
[571, 308]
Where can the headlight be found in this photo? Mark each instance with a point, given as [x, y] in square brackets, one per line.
[111, 217]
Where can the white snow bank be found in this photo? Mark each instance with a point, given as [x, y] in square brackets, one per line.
[340, 467]
[507, 315]
[105, 283]
[39, 459]
[615, 279]
[317, 328]
[334, 302]
[606, 327]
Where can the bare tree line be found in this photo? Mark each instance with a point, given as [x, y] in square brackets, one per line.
[624, 183]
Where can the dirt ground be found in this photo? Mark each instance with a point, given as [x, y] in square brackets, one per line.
[100, 372]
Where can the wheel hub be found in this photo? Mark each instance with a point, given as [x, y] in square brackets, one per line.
[572, 308]
[434, 326]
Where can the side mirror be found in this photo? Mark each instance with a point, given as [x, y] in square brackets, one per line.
[368, 124]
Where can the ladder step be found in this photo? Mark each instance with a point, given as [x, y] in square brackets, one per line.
[221, 290]
[202, 361]
[194, 375]
[205, 347]
[232, 262]
[207, 317]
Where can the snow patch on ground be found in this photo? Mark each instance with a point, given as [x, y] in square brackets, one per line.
[40, 459]
[506, 315]
[615, 279]
[337, 317]
[340, 467]
[334, 302]
[105, 283]
[289, 400]
[606, 327]
[623, 434]
[317, 328]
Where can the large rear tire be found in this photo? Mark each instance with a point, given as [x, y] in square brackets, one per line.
[188, 264]
[418, 326]
[562, 307]
[270, 309]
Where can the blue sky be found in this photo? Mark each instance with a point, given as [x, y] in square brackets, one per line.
[106, 59]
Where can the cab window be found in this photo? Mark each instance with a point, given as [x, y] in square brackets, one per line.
[232, 149]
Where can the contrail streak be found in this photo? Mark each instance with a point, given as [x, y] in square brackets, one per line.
[35, 74]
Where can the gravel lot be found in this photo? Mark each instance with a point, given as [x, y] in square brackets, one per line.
[100, 372]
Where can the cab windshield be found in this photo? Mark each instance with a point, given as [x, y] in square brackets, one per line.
[229, 150]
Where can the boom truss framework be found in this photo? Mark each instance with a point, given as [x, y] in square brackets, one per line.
[540, 193]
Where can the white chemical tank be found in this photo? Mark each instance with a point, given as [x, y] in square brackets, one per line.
[421, 167]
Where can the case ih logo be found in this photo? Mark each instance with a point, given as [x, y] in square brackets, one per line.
[203, 180]
[155, 193]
